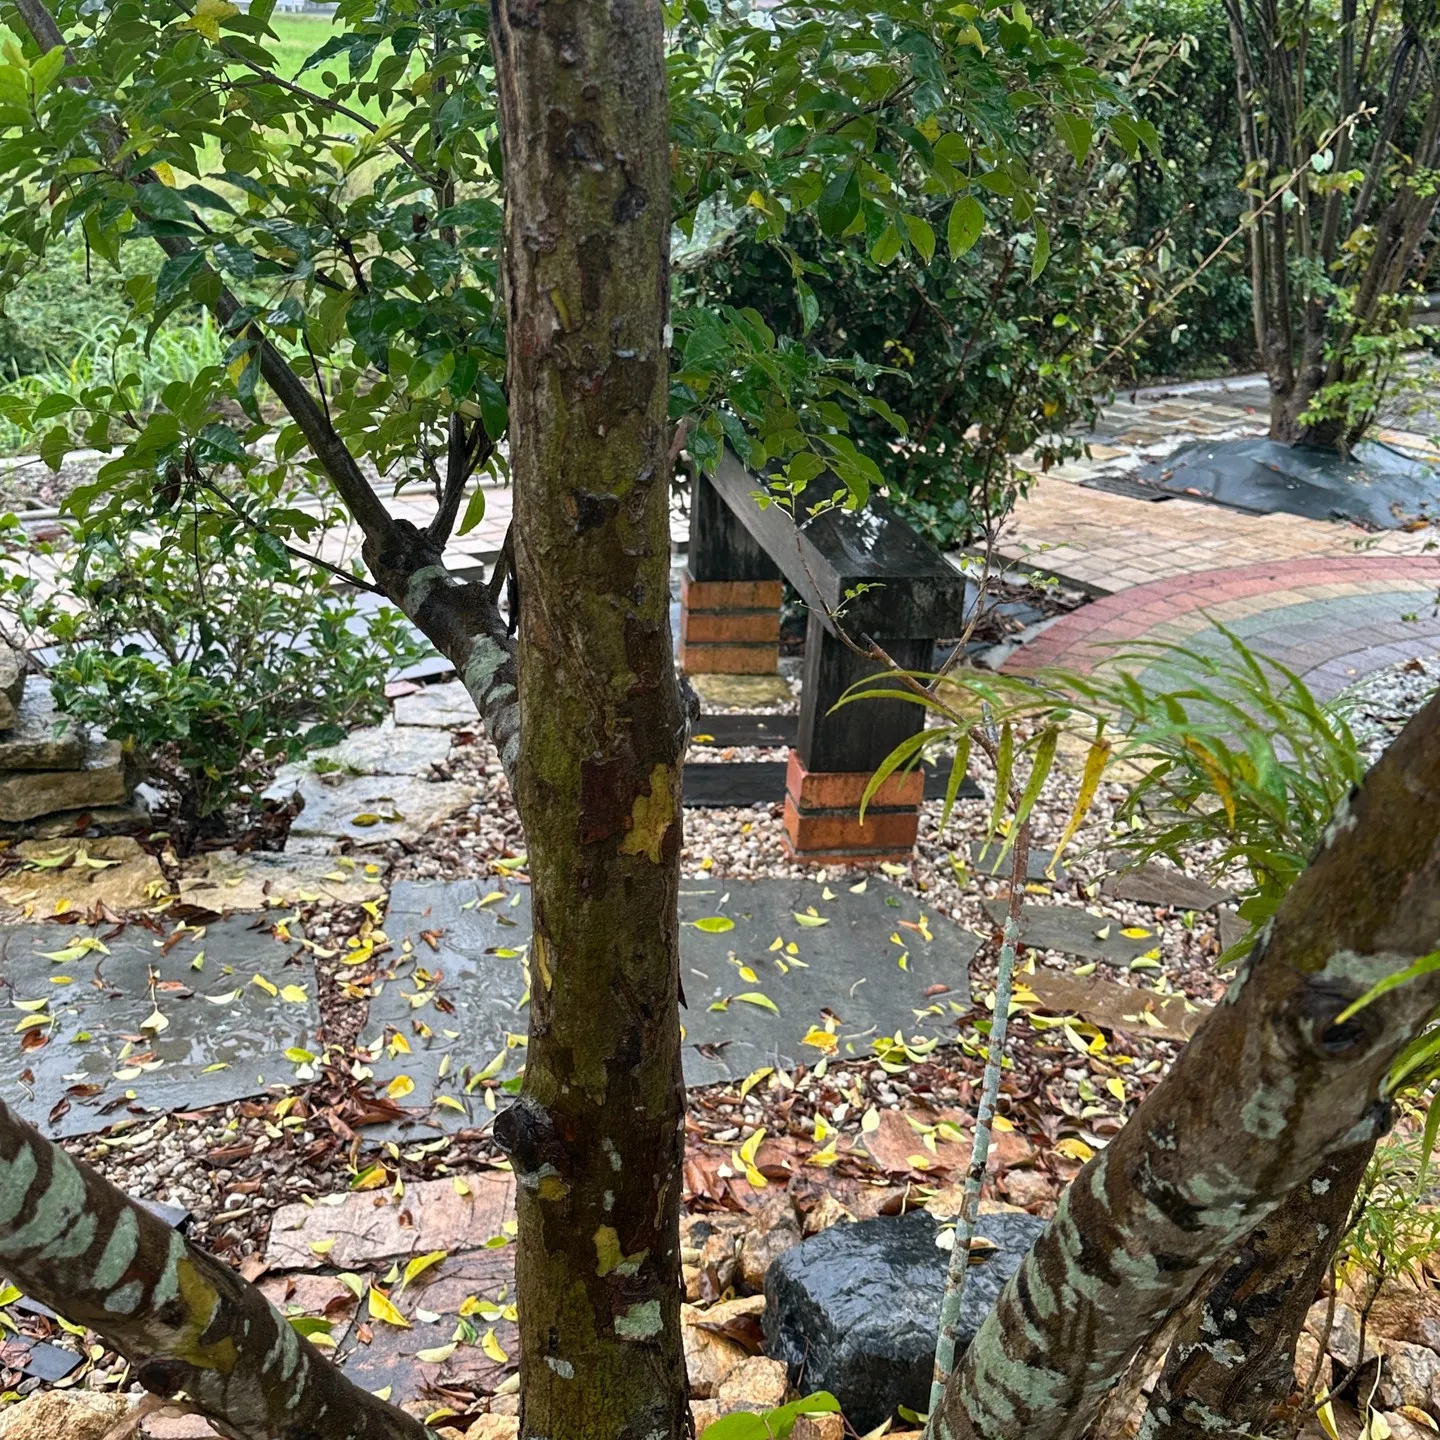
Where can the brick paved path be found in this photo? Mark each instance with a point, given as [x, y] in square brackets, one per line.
[1331, 618]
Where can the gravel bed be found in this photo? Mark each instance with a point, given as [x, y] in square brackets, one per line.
[1379, 706]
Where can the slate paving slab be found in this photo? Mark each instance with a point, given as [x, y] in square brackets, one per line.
[369, 811]
[814, 952]
[1151, 884]
[988, 859]
[134, 1032]
[1075, 932]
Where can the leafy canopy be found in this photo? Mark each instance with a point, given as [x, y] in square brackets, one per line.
[350, 215]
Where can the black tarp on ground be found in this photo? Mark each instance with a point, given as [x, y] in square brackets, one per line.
[1379, 487]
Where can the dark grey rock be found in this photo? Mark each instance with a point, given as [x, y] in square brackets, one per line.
[857, 1308]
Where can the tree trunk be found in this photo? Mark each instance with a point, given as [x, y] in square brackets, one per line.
[184, 1320]
[1233, 1370]
[596, 1137]
[1268, 1090]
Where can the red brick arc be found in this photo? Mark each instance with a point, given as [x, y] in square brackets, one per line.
[1133, 613]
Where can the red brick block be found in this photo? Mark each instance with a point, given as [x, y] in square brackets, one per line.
[882, 836]
[822, 815]
[707, 627]
[729, 594]
[729, 659]
[843, 790]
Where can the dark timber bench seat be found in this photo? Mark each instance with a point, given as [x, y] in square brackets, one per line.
[730, 624]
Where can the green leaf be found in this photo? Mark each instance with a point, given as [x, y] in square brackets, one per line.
[967, 220]
[764, 1002]
[1075, 131]
[887, 247]
[1004, 765]
[54, 446]
[494, 408]
[922, 236]
[906, 753]
[715, 924]
[957, 776]
[839, 202]
[474, 511]
[1042, 252]
[773, 1424]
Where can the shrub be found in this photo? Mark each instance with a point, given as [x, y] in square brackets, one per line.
[212, 670]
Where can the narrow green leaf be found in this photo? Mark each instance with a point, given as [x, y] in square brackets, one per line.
[474, 511]
[1042, 252]
[957, 776]
[906, 751]
[1425, 965]
[1004, 765]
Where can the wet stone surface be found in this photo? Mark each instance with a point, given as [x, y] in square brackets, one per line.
[1076, 932]
[842, 960]
[140, 1021]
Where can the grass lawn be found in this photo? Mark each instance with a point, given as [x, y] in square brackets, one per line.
[300, 37]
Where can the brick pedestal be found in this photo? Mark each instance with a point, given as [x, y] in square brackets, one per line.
[822, 816]
[729, 627]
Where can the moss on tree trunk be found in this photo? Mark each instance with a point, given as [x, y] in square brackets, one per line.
[596, 1137]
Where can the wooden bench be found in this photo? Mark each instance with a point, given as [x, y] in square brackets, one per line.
[908, 596]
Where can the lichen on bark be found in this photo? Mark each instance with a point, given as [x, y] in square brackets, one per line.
[1271, 1087]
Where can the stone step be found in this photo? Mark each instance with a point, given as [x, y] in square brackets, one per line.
[101, 780]
[41, 738]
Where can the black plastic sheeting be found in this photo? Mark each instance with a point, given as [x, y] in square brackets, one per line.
[1378, 487]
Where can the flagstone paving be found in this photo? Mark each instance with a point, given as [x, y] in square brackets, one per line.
[132, 1027]
[763, 963]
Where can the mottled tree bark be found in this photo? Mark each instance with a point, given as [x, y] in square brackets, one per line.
[596, 1136]
[1268, 1090]
[1233, 1369]
[184, 1320]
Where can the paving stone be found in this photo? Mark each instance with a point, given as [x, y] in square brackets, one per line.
[26, 794]
[41, 738]
[1073, 931]
[390, 1356]
[388, 807]
[742, 692]
[449, 707]
[246, 1036]
[848, 965]
[988, 860]
[1152, 884]
[224, 880]
[12, 684]
[115, 871]
[1114, 1007]
[371, 1227]
[386, 749]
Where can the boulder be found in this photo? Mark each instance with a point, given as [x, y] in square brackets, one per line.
[41, 738]
[709, 1356]
[12, 684]
[101, 780]
[819, 1427]
[856, 1308]
[63, 1415]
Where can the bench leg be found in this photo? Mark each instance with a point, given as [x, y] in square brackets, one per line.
[836, 754]
[729, 595]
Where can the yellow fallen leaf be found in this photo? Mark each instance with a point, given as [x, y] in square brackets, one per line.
[380, 1307]
[1075, 1149]
[399, 1087]
[436, 1356]
[491, 1346]
[820, 1039]
[419, 1264]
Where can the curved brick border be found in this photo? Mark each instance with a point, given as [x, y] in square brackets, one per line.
[1367, 593]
